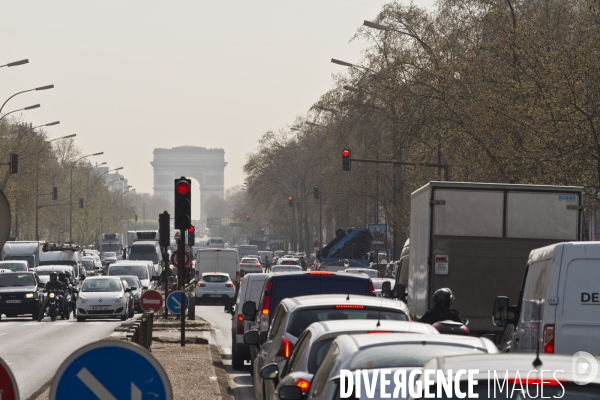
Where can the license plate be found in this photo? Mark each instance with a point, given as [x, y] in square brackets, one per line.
[215, 295]
[13, 301]
[100, 308]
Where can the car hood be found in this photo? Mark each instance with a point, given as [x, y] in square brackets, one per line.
[17, 289]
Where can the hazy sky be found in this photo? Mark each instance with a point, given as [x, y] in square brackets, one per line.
[132, 76]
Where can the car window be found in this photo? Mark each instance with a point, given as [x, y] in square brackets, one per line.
[215, 278]
[317, 352]
[320, 378]
[137, 270]
[16, 279]
[277, 323]
[299, 353]
[101, 285]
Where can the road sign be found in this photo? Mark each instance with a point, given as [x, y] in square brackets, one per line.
[90, 373]
[8, 385]
[174, 302]
[4, 219]
[174, 260]
[151, 300]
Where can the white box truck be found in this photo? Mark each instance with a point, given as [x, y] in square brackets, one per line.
[28, 251]
[475, 238]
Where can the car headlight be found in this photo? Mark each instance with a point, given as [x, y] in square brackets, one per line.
[137, 296]
[51, 295]
[82, 299]
[118, 299]
[29, 296]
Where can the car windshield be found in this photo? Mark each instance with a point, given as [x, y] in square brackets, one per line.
[300, 320]
[88, 265]
[215, 278]
[137, 270]
[410, 354]
[145, 256]
[132, 282]
[102, 285]
[13, 266]
[110, 254]
[16, 279]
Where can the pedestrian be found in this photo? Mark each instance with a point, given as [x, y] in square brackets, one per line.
[267, 264]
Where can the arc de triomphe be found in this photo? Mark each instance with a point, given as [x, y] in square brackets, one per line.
[207, 166]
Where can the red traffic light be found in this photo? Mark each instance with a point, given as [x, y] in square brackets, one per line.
[182, 188]
[191, 229]
[345, 153]
[247, 218]
[290, 198]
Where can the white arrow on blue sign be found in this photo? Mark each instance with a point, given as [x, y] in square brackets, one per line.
[91, 373]
[174, 302]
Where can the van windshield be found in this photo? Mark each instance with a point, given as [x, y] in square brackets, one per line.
[137, 270]
[145, 256]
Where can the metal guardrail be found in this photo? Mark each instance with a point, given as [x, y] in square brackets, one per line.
[141, 330]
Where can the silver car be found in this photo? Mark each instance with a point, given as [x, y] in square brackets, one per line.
[104, 297]
[215, 287]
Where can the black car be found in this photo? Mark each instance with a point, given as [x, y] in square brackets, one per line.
[20, 293]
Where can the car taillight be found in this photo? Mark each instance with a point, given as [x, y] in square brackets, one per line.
[229, 284]
[302, 384]
[240, 325]
[201, 284]
[266, 303]
[349, 306]
[548, 339]
[241, 265]
[371, 288]
[257, 265]
[326, 273]
[285, 350]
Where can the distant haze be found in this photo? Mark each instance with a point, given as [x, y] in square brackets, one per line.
[132, 76]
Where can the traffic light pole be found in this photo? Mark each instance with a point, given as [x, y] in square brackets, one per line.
[180, 278]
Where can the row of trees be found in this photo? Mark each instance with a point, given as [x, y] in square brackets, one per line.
[499, 90]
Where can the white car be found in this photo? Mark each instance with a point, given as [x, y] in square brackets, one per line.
[286, 268]
[104, 297]
[250, 265]
[15, 265]
[215, 287]
[371, 273]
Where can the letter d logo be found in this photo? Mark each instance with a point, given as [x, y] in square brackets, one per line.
[585, 368]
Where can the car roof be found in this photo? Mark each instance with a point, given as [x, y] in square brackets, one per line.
[8, 271]
[562, 365]
[321, 275]
[13, 261]
[335, 326]
[333, 299]
[93, 278]
[53, 267]
[363, 341]
[128, 262]
[152, 242]
[216, 273]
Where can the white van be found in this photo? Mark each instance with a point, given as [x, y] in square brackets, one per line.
[248, 250]
[218, 260]
[559, 286]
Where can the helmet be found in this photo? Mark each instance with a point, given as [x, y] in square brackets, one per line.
[443, 296]
[61, 276]
[53, 276]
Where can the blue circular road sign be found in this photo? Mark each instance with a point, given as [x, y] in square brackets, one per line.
[96, 371]
[174, 302]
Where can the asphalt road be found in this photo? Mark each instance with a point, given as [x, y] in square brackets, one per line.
[221, 323]
[34, 350]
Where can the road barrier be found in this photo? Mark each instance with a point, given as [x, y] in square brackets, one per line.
[141, 330]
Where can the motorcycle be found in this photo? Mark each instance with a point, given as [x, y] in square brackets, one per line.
[53, 306]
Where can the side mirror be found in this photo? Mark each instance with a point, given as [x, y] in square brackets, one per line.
[249, 310]
[399, 292]
[500, 316]
[133, 288]
[270, 371]
[386, 289]
[290, 393]
[128, 290]
[489, 336]
[251, 338]
[155, 278]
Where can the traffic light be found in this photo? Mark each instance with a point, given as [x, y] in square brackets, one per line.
[183, 204]
[191, 236]
[247, 218]
[291, 201]
[54, 193]
[316, 190]
[14, 163]
[163, 229]
[346, 160]
[80, 202]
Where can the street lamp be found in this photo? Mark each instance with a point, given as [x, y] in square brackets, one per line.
[71, 194]
[15, 63]
[37, 180]
[347, 64]
[20, 109]
[25, 91]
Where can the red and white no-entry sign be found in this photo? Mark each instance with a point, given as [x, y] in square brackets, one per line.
[174, 258]
[8, 384]
[151, 300]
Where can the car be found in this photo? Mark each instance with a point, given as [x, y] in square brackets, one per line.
[218, 260]
[141, 269]
[15, 265]
[286, 268]
[371, 273]
[314, 342]
[103, 297]
[381, 268]
[294, 315]
[44, 272]
[250, 290]
[137, 290]
[561, 375]
[65, 254]
[391, 352]
[215, 287]
[20, 293]
[289, 261]
[109, 257]
[96, 263]
[250, 265]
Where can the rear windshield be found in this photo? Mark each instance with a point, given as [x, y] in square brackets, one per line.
[30, 260]
[9, 279]
[215, 278]
[137, 270]
[296, 286]
[300, 320]
[88, 265]
[289, 262]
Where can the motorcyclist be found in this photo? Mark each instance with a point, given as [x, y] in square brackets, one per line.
[442, 299]
[69, 295]
[53, 285]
